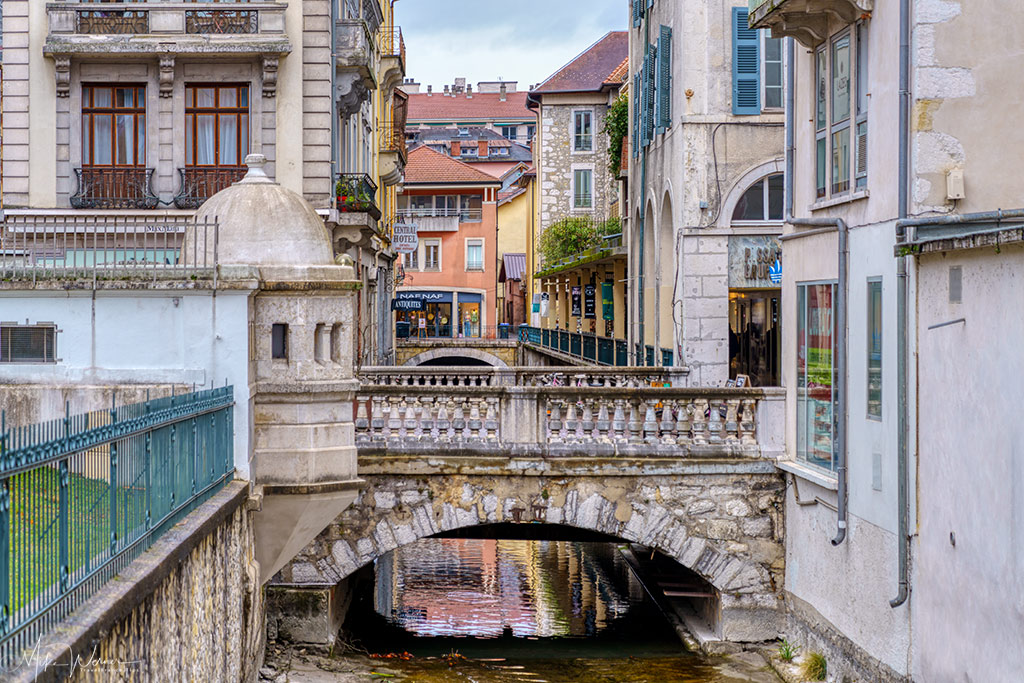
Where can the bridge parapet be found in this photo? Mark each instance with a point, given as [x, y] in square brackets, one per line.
[438, 376]
[604, 414]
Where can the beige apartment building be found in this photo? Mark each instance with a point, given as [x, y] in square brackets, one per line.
[119, 118]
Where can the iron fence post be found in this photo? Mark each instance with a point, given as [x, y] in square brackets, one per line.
[148, 470]
[113, 483]
[195, 455]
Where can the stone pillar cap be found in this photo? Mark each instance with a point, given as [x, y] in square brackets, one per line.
[256, 173]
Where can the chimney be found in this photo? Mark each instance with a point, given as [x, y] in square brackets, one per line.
[504, 92]
[446, 91]
[456, 148]
[430, 91]
[460, 85]
[482, 151]
[469, 91]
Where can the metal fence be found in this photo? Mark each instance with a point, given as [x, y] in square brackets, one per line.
[590, 347]
[84, 495]
[103, 246]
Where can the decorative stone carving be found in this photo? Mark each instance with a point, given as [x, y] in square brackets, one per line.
[351, 92]
[167, 76]
[269, 76]
[62, 69]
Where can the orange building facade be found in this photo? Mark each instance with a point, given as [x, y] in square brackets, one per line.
[450, 280]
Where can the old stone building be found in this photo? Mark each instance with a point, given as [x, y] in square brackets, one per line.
[136, 115]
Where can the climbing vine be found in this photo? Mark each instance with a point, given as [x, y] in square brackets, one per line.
[616, 125]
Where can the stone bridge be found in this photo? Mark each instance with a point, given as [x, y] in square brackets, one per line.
[689, 472]
[498, 353]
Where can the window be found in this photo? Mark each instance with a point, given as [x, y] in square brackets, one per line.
[471, 208]
[500, 151]
[757, 204]
[28, 344]
[582, 193]
[216, 125]
[746, 70]
[771, 71]
[412, 259]
[875, 348]
[529, 133]
[474, 254]
[279, 341]
[446, 205]
[113, 125]
[469, 150]
[664, 78]
[510, 132]
[840, 116]
[432, 254]
[583, 135]
[817, 408]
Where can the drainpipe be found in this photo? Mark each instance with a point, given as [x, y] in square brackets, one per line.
[790, 147]
[820, 226]
[642, 206]
[903, 497]
[334, 91]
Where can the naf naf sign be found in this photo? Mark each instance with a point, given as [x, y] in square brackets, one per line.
[404, 237]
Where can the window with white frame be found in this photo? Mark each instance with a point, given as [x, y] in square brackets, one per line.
[583, 133]
[474, 254]
[412, 259]
[763, 201]
[432, 254]
[840, 113]
[874, 347]
[771, 71]
[28, 343]
[583, 188]
[510, 132]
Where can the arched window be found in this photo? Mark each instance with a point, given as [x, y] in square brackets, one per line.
[763, 201]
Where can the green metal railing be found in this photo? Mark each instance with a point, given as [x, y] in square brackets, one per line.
[590, 347]
[84, 495]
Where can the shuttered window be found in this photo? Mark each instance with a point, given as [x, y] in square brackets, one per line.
[746, 71]
[665, 77]
[28, 344]
[638, 12]
[636, 95]
[652, 63]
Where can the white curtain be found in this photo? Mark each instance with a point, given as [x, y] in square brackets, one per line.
[228, 140]
[205, 140]
[102, 135]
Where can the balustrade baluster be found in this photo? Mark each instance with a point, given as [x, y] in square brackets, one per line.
[635, 423]
[461, 431]
[571, 423]
[379, 422]
[603, 424]
[619, 421]
[683, 409]
[491, 422]
[585, 431]
[475, 423]
[400, 412]
[554, 421]
[668, 424]
[748, 427]
[443, 426]
[362, 421]
[700, 407]
[715, 423]
[731, 427]
[415, 417]
[650, 422]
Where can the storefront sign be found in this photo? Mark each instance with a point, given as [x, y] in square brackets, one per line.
[404, 237]
[576, 303]
[608, 300]
[755, 262]
[545, 304]
[427, 297]
[407, 304]
[590, 301]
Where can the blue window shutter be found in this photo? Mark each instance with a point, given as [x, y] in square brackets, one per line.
[650, 4]
[638, 11]
[636, 111]
[652, 64]
[665, 77]
[746, 72]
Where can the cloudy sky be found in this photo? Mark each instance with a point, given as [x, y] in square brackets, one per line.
[522, 40]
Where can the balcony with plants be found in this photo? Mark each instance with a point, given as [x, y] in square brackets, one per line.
[576, 241]
[356, 193]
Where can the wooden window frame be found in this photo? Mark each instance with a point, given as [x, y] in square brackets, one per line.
[90, 111]
[191, 110]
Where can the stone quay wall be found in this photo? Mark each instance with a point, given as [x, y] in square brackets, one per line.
[189, 608]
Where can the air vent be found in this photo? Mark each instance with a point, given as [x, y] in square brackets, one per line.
[956, 284]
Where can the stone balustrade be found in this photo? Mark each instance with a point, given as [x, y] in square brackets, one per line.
[596, 376]
[482, 412]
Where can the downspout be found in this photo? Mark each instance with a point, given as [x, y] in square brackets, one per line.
[334, 93]
[824, 225]
[790, 148]
[903, 474]
[639, 343]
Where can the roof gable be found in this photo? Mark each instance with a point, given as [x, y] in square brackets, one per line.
[425, 166]
[591, 69]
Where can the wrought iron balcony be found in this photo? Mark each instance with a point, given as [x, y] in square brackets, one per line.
[356, 193]
[114, 188]
[199, 183]
[392, 139]
[808, 21]
[392, 44]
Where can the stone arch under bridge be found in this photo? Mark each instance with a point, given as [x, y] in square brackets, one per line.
[724, 521]
[455, 354]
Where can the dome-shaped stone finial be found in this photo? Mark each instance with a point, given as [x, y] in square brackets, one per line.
[256, 173]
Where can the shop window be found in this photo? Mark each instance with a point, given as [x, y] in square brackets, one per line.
[279, 341]
[875, 348]
[817, 401]
[763, 201]
[469, 319]
[28, 344]
[754, 336]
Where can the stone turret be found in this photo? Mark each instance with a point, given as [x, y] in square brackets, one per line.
[301, 361]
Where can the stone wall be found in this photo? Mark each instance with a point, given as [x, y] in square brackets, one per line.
[190, 608]
[721, 520]
[487, 350]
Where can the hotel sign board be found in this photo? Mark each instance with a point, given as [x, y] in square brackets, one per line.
[404, 237]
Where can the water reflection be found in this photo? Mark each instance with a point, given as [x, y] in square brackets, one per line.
[488, 588]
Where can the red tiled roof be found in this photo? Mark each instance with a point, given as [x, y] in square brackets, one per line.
[591, 69]
[481, 106]
[427, 166]
[620, 73]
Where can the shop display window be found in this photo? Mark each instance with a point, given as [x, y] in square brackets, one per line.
[817, 401]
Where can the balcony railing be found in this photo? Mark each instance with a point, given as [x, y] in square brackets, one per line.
[561, 414]
[356, 193]
[463, 215]
[392, 44]
[221, 21]
[75, 247]
[113, 21]
[392, 139]
[114, 188]
[199, 183]
[592, 348]
[83, 496]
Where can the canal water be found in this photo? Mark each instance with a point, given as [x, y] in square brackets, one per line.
[497, 611]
